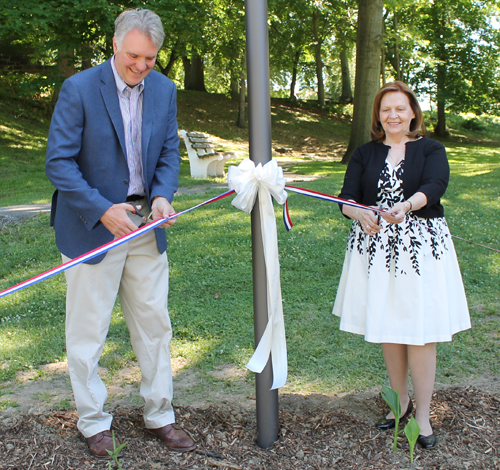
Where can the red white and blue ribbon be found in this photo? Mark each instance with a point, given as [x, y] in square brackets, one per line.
[287, 220]
[105, 248]
[325, 197]
[247, 181]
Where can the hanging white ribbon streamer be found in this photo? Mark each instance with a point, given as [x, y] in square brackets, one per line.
[248, 181]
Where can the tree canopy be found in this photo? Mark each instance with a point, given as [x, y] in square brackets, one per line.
[447, 50]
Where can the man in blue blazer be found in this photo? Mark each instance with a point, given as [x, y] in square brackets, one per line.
[113, 141]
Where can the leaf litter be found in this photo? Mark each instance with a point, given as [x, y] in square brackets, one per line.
[313, 435]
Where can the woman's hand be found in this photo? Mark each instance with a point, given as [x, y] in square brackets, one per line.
[397, 213]
[369, 221]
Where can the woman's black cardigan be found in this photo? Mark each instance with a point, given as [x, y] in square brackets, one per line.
[426, 169]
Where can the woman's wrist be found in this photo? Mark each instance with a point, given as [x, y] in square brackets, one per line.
[410, 208]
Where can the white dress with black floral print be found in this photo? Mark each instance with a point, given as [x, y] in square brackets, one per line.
[402, 285]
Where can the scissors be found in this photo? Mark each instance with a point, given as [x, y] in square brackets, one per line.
[140, 214]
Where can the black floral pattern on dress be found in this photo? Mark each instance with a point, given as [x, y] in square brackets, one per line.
[437, 227]
[394, 240]
[415, 245]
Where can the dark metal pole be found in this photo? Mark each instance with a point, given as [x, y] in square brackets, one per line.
[259, 118]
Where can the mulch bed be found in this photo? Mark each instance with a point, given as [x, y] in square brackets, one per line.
[467, 422]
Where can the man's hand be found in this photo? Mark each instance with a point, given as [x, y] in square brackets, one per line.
[161, 209]
[116, 220]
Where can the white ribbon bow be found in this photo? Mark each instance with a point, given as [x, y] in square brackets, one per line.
[248, 180]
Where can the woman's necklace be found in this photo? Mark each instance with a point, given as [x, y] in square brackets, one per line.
[395, 156]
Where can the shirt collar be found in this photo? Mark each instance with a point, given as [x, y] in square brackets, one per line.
[120, 83]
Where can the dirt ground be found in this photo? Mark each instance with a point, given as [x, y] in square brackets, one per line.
[316, 431]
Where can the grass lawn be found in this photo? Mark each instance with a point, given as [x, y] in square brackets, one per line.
[210, 259]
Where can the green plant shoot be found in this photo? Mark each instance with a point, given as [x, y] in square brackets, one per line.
[115, 452]
[392, 399]
[412, 431]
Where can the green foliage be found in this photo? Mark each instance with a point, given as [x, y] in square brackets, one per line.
[292, 42]
[30, 86]
[473, 124]
[51, 31]
[461, 46]
[115, 452]
[392, 399]
[412, 431]
[421, 37]
[469, 126]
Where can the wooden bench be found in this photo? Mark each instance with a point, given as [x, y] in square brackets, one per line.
[204, 161]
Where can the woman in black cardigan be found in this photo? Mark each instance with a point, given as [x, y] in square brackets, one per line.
[401, 284]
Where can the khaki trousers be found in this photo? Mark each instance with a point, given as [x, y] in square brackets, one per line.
[139, 275]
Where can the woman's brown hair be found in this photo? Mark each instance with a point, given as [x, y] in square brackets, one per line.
[417, 127]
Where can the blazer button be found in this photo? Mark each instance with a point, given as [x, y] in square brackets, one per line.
[125, 181]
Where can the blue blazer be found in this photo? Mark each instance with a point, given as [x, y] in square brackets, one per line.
[86, 155]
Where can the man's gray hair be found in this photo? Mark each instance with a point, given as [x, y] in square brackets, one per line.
[147, 22]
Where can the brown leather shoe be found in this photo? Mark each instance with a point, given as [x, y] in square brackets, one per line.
[174, 438]
[100, 442]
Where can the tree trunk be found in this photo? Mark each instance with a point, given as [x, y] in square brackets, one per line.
[241, 107]
[234, 81]
[108, 45]
[441, 71]
[65, 68]
[296, 59]
[194, 73]
[186, 63]
[234, 88]
[86, 52]
[66, 63]
[346, 78]
[382, 64]
[382, 49]
[319, 62]
[396, 47]
[171, 61]
[367, 83]
[440, 128]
